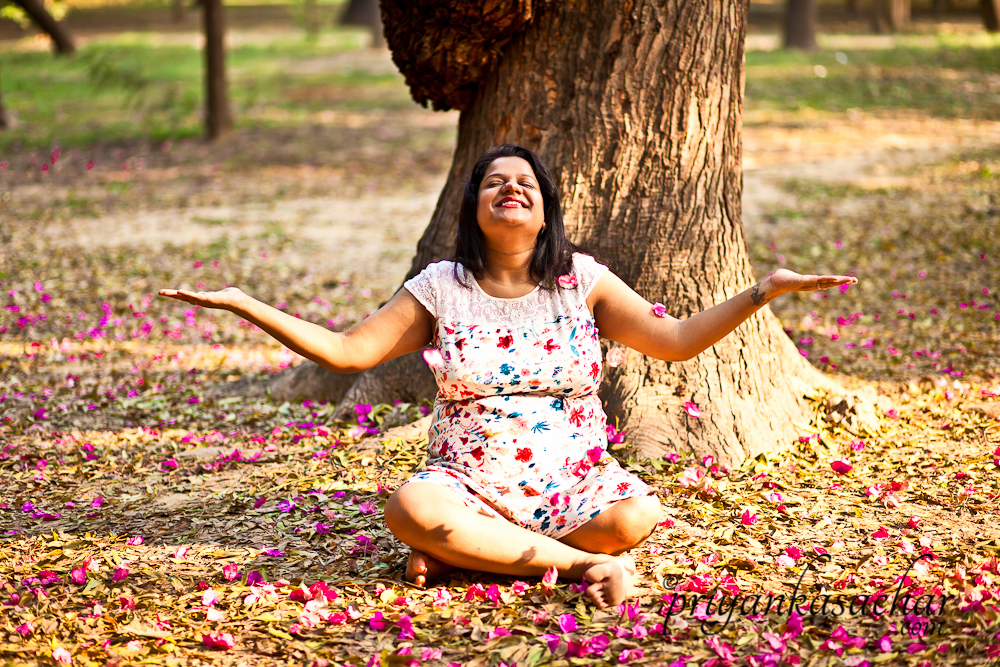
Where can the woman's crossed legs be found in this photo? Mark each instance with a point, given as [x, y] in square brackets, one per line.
[444, 533]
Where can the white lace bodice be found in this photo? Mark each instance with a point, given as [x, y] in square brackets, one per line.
[446, 299]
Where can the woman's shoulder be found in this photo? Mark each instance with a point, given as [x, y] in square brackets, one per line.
[586, 262]
[437, 270]
[587, 270]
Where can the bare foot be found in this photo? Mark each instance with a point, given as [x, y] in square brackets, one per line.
[422, 568]
[611, 582]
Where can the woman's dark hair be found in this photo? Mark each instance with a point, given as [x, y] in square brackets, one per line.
[553, 251]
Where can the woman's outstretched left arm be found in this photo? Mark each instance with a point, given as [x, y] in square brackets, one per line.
[625, 317]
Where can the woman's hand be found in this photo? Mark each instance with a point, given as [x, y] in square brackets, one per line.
[784, 281]
[625, 317]
[400, 326]
[229, 298]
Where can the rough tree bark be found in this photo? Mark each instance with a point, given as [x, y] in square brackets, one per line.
[62, 40]
[991, 14]
[218, 119]
[636, 106]
[365, 13]
[801, 17]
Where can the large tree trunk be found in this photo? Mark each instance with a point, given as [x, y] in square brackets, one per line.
[637, 109]
[62, 40]
[801, 17]
[365, 13]
[218, 119]
[991, 14]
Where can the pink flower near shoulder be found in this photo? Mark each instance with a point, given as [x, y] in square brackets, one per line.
[567, 281]
[433, 358]
[615, 357]
[659, 309]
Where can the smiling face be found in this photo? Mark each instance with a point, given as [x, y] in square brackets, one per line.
[510, 206]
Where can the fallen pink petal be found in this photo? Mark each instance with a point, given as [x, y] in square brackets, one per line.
[841, 466]
[219, 640]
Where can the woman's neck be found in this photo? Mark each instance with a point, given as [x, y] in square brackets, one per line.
[509, 268]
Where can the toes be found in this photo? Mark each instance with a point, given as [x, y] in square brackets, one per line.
[416, 568]
[595, 593]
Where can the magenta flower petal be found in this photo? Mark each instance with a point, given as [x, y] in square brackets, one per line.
[222, 640]
[567, 623]
[433, 358]
[841, 466]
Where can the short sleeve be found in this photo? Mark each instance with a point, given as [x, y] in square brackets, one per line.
[425, 286]
[588, 271]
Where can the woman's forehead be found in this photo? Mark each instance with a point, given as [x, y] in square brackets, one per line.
[509, 166]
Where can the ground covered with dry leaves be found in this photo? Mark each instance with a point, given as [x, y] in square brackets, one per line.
[147, 520]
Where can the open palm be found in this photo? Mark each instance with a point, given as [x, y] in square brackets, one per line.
[785, 281]
[226, 299]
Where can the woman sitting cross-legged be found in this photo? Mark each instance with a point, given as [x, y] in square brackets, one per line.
[518, 479]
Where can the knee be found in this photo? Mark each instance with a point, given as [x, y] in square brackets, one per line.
[398, 512]
[406, 511]
[637, 521]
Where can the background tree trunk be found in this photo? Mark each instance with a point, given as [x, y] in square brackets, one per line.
[801, 17]
[4, 119]
[218, 119]
[310, 11]
[62, 40]
[991, 14]
[365, 13]
[854, 7]
[178, 10]
[637, 109]
[891, 15]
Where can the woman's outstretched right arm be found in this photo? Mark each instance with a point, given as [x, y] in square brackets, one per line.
[400, 326]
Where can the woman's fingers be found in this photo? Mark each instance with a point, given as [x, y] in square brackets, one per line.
[826, 282]
[220, 299]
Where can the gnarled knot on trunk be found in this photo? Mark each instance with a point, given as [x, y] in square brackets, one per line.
[444, 48]
[858, 411]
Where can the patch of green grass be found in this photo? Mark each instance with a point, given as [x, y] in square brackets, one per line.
[134, 86]
[951, 77]
[812, 190]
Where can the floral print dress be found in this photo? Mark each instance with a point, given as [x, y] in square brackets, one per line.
[518, 429]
